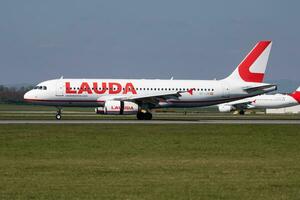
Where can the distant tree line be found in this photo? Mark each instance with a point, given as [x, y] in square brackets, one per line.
[12, 94]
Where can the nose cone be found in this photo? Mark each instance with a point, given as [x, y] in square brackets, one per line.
[28, 96]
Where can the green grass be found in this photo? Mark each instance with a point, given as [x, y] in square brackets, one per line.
[149, 161]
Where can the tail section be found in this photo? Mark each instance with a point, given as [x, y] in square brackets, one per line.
[253, 67]
[296, 95]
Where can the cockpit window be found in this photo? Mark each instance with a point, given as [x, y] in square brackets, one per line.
[40, 87]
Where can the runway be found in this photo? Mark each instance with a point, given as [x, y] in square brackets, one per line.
[249, 121]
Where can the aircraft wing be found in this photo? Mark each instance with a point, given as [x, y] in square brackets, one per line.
[241, 104]
[151, 98]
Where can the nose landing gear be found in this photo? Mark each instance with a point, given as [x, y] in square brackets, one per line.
[58, 114]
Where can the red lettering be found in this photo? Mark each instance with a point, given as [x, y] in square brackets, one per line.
[129, 88]
[85, 88]
[113, 88]
[128, 107]
[115, 107]
[69, 89]
[97, 91]
[116, 86]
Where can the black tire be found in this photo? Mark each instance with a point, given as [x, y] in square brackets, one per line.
[144, 116]
[148, 116]
[58, 116]
[242, 112]
[140, 116]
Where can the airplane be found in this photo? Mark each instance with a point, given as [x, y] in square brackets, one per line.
[262, 101]
[139, 96]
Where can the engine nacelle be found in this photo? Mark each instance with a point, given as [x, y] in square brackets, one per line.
[225, 108]
[118, 108]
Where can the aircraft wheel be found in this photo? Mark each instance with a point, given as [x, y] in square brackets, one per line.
[148, 116]
[58, 116]
[144, 116]
[58, 113]
[140, 116]
[242, 112]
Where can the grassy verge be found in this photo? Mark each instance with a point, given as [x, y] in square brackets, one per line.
[149, 162]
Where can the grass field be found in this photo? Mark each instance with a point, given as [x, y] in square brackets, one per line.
[149, 161]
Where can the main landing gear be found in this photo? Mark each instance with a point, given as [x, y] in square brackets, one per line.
[58, 114]
[144, 116]
[241, 112]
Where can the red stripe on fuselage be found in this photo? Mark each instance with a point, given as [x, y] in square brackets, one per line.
[101, 101]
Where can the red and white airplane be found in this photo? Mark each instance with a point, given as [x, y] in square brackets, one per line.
[140, 96]
[262, 101]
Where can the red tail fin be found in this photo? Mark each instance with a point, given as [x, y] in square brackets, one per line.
[296, 95]
[252, 68]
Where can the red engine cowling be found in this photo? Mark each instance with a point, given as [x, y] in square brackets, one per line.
[118, 108]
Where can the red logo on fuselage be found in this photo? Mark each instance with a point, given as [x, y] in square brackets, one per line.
[119, 107]
[244, 67]
[111, 87]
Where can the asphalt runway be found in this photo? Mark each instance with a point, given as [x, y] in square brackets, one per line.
[149, 122]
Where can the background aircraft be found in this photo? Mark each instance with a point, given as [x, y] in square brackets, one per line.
[139, 96]
[262, 101]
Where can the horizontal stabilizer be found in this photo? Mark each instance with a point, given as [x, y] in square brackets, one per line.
[264, 88]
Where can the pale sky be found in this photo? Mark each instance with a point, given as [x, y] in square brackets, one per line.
[41, 40]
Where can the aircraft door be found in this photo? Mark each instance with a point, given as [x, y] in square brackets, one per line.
[59, 88]
[226, 91]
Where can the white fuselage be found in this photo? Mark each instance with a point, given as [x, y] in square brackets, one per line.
[95, 92]
[272, 101]
[261, 102]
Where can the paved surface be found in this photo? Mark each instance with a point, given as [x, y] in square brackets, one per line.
[149, 122]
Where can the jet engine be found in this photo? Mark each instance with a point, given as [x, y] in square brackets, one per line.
[118, 108]
[225, 108]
